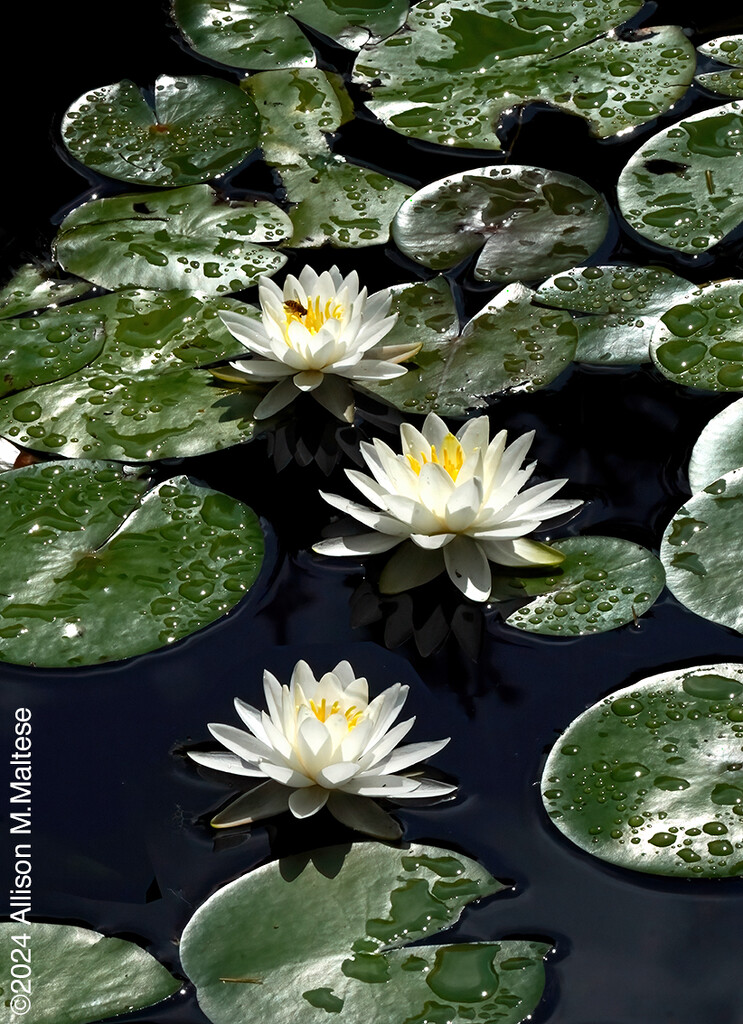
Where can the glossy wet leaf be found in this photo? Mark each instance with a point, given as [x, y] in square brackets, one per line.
[699, 342]
[33, 288]
[682, 188]
[604, 583]
[79, 976]
[98, 567]
[510, 345]
[528, 222]
[727, 50]
[620, 306]
[461, 64]
[700, 552]
[199, 128]
[332, 200]
[145, 395]
[719, 447]
[261, 34]
[649, 777]
[187, 239]
[309, 933]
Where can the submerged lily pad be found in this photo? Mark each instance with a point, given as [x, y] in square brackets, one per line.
[510, 345]
[198, 128]
[529, 222]
[699, 343]
[98, 567]
[682, 188]
[648, 778]
[79, 976]
[333, 201]
[727, 50]
[309, 933]
[459, 65]
[32, 288]
[261, 34]
[143, 397]
[700, 552]
[622, 305]
[603, 583]
[719, 448]
[188, 239]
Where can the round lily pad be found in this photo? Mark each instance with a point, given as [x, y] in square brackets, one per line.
[682, 188]
[33, 288]
[187, 239]
[197, 128]
[719, 448]
[603, 583]
[727, 50]
[699, 342]
[78, 976]
[649, 778]
[699, 552]
[100, 567]
[620, 305]
[529, 222]
[459, 65]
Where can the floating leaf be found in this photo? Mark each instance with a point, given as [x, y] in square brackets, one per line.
[682, 188]
[529, 222]
[188, 239]
[622, 306]
[510, 345]
[143, 397]
[699, 552]
[459, 65]
[333, 201]
[31, 288]
[199, 128]
[259, 34]
[98, 567]
[719, 448]
[309, 933]
[648, 777]
[727, 50]
[699, 343]
[604, 583]
[78, 976]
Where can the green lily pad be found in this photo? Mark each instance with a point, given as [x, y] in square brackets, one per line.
[699, 343]
[199, 128]
[510, 345]
[727, 50]
[682, 188]
[699, 552]
[719, 448]
[648, 778]
[187, 239]
[309, 933]
[78, 976]
[144, 396]
[622, 305]
[32, 288]
[459, 65]
[529, 222]
[261, 34]
[604, 583]
[332, 200]
[98, 567]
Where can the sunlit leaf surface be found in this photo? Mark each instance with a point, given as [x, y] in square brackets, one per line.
[727, 50]
[719, 448]
[31, 288]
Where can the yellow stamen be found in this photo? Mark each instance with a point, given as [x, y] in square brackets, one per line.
[452, 457]
[322, 712]
[313, 317]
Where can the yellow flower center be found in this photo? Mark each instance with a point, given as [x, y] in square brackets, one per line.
[322, 712]
[312, 317]
[451, 457]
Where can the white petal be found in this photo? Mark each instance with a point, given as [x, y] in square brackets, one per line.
[354, 546]
[223, 762]
[308, 380]
[428, 789]
[474, 435]
[411, 754]
[272, 693]
[240, 742]
[387, 743]
[434, 429]
[335, 395]
[262, 369]
[248, 332]
[410, 567]
[370, 369]
[521, 552]
[305, 802]
[277, 398]
[434, 486]
[370, 489]
[432, 543]
[468, 568]
[392, 786]
[369, 517]
[463, 505]
[252, 718]
[262, 802]
[335, 776]
[364, 815]
[286, 776]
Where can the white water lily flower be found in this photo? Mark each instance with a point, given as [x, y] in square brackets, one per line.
[457, 499]
[320, 334]
[322, 741]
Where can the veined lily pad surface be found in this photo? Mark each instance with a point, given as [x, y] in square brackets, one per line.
[31, 288]
[459, 65]
[198, 128]
[308, 936]
[719, 448]
[528, 222]
[79, 976]
[100, 567]
[264, 34]
[727, 50]
[188, 239]
[647, 778]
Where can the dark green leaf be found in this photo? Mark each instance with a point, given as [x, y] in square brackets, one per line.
[727, 50]
[31, 288]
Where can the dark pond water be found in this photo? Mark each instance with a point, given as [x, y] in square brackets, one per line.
[121, 841]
